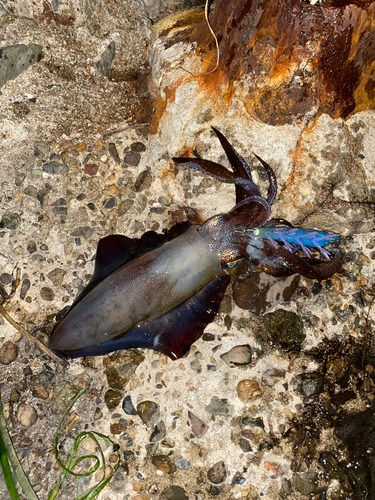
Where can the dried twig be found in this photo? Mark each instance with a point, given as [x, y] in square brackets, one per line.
[28, 335]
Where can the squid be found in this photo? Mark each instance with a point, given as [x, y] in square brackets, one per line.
[161, 291]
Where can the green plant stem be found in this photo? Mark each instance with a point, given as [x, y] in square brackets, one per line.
[71, 462]
[7, 452]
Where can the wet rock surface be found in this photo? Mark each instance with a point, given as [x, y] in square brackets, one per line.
[87, 136]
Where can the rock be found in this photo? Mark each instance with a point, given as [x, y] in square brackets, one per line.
[91, 169]
[128, 407]
[237, 356]
[248, 390]
[26, 415]
[15, 59]
[159, 432]
[255, 422]
[149, 412]
[285, 328]
[121, 366]
[217, 473]
[46, 293]
[308, 384]
[132, 158]
[174, 493]
[271, 376]
[40, 391]
[113, 152]
[219, 407]
[104, 65]
[8, 353]
[182, 463]
[138, 147]
[112, 399]
[198, 427]
[143, 181]
[57, 276]
[245, 445]
[63, 395]
[55, 168]
[164, 463]
[24, 288]
[10, 220]
[305, 483]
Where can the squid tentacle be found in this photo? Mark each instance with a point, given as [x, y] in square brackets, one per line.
[239, 165]
[220, 173]
[272, 189]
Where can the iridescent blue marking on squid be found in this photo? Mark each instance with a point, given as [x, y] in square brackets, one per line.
[301, 237]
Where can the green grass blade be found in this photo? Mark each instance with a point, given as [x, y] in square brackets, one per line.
[7, 451]
[71, 462]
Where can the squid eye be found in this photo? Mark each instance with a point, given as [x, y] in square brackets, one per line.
[231, 265]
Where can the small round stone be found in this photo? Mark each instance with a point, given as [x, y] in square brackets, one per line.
[163, 463]
[174, 493]
[46, 293]
[248, 390]
[285, 328]
[8, 353]
[149, 412]
[217, 473]
[112, 399]
[26, 415]
[10, 220]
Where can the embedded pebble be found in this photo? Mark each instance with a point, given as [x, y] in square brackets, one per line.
[8, 353]
[198, 427]
[26, 415]
[121, 366]
[31, 246]
[217, 473]
[98, 413]
[124, 207]
[46, 293]
[113, 152]
[173, 493]
[132, 158]
[163, 463]
[91, 169]
[219, 406]
[57, 276]
[237, 356]
[248, 390]
[285, 328]
[254, 422]
[305, 482]
[196, 366]
[308, 384]
[24, 288]
[63, 395]
[112, 399]
[159, 432]
[40, 392]
[55, 168]
[271, 376]
[138, 147]
[10, 220]
[128, 407]
[149, 412]
[143, 181]
[245, 445]
[182, 463]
